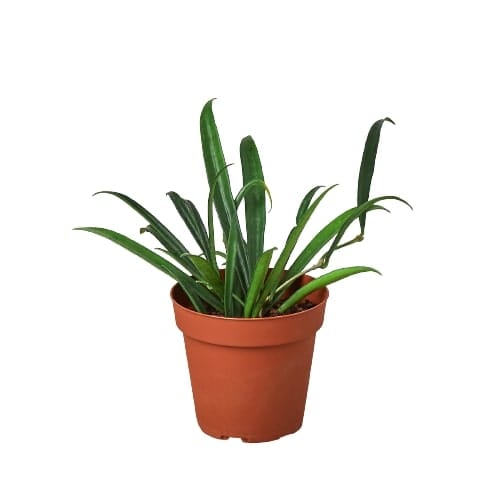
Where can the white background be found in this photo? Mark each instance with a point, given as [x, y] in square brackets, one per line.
[95, 401]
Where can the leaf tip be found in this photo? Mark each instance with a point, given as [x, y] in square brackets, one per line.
[248, 139]
[208, 104]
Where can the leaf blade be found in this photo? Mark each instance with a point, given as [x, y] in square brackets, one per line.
[209, 275]
[192, 219]
[367, 166]
[229, 275]
[261, 270]
[185, 281]
[255, 202]
[320, 282]
[356, 213]
[275, 275]
[160, 231]
[306, 201]
[250, 186]
[320, 239]
[218, 179]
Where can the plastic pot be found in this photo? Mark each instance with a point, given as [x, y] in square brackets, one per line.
[249, 376]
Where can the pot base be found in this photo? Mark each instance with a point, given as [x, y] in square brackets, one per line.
[248, 439]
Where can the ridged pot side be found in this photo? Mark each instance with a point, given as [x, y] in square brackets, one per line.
[249, 376]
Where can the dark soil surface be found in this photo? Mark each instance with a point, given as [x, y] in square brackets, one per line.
[301, 306]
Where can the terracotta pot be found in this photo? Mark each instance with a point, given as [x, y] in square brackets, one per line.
[249, 376]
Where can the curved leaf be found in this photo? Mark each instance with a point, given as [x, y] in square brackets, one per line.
[245, 191]
[230, 309]
[255, 202]
[368, 165]
[357, 212]
[179, 258]
[215, 164]
[261, 270]
[207, 273]
[191, 217]
[304, 205]
[320, 282]
[161, 233]
[210, 209]
[241, 254]
[196, 293]
[275, 275]
[218, 179]
[322, 238]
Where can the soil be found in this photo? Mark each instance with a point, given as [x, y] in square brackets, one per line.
[301, 306]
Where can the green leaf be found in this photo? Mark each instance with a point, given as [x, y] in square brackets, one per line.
[218, 179]
[229, 276]
[321, 239]
[255, 202]
[368, 165]
[304, 205]
[261, 270]
[320, 282]
[244, 192]
[210, 209]
[191, 217]
[238, 300]
[215, 164]
[179, 258]
[276, 274]
[159, 231]
[207, 273]
[241, 254]
[357, 212]
[195, 292]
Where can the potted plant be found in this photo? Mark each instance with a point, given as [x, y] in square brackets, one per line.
[249, 326]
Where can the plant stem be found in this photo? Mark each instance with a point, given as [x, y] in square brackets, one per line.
[357, 239]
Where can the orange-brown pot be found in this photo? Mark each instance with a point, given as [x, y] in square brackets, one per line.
[249, 376]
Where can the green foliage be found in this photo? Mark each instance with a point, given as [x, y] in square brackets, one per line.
[249, 286]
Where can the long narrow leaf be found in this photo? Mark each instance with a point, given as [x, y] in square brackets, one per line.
[210, 211]
[217, 175]
[357, 212]
[241, 256]
[191, 217]
[162, 234]
[247, 189]
[215, 164]
[320, 282]
[191, 288]
[208, 275]
[304, 205]
[321, 239]
[229, 276]
[368, 165]
[257, 282]
[178, 257]
[255, 202]
[276, 274]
